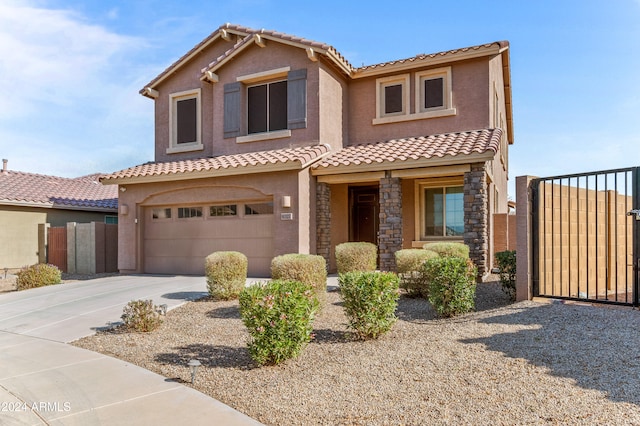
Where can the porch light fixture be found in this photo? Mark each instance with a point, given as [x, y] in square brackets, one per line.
[193, 365]
[286, 201]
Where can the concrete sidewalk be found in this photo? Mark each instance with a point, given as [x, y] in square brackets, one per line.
[45, 381]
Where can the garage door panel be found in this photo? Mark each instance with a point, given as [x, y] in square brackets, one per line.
[180, 246]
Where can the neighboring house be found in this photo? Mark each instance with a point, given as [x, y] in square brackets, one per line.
[28, 200]
[267, 143]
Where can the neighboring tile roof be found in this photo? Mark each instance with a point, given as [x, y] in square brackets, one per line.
[82, 193]
[411, 150]
[252, 162]
[501, 44]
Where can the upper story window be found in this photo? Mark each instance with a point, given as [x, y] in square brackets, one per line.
[433, 90]
[432, 96]
[265, 105]
[392, 96]
[184, 125]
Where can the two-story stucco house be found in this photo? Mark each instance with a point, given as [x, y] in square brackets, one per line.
[267, 143]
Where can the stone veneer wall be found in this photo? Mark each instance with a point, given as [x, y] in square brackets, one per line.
[476, 216]
[390, 231]
[323, 221]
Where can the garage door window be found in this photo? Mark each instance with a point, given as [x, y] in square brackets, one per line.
[227, 210]
[188, 212]
[159, 214]
[258, 208]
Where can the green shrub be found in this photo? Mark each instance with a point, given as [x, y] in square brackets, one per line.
[449, 249]
[409, 266]
[351, 257]
[306, 268]
[279, 316]
[141, 315]
[38, 275]
[370, 301]
[452, 285]
[506, 261]
[226, 273]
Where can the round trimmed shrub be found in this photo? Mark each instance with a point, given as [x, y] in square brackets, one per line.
[38, 275]
[352, 257]
[409, 263]
[307, 268]
[279, 317]
[226, 273]
[449, 249]
[452, 285]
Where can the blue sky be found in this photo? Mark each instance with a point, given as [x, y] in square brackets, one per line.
[71, 70]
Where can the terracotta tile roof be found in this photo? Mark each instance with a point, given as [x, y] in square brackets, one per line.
[246, 34]
[253, 162]
[287, 38]
[82, 193]
[500, 44]
[401, 152]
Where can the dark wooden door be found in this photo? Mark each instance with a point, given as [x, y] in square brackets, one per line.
[57, 250]
[364, 214]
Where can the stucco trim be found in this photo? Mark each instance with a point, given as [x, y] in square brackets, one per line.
[425, 172]
[351, 178]
[409, 164]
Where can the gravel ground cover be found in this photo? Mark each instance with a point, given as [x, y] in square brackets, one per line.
[522, 363]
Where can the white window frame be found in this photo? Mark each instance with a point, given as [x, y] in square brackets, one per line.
[383, 82]
[174, 98]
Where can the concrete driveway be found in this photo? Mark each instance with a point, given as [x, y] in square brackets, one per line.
[45, 381]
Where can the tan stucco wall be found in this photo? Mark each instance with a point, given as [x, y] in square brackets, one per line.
[19, 231]
[333, 101]
[470, 86]
[253, 59]
[291, 236]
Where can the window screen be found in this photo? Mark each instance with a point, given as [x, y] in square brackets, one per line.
[393, 99]
[433, 92]
[187, 120]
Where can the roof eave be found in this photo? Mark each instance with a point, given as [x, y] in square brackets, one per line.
[220, 172]
[506, 76]
[50, 205]
[408, 164]
[187, 57]
[493, 49]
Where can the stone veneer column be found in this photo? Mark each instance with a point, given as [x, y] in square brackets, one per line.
[476, 216]
[390, 230]
[323, 221]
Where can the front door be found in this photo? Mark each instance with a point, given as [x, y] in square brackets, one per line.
[364, 214]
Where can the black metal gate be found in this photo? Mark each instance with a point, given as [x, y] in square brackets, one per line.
[585, 236]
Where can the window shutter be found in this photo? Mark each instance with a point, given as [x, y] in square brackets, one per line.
[297, 99]
[232, 109]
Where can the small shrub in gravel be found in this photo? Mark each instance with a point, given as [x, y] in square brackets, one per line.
[351, 257]
[279, 317]
[452, 285]
[226, 273]
[449, 249]
[38, 275]
[370, 301]
[306, 268]
[409, 267]
[506, 261]
[141, 315]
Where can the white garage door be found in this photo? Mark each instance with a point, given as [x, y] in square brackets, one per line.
[177, 239]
